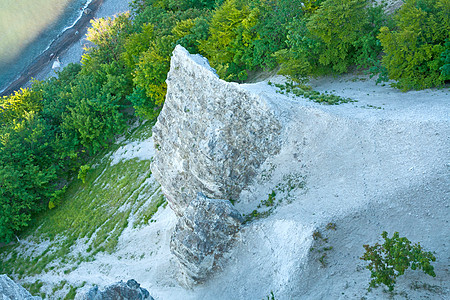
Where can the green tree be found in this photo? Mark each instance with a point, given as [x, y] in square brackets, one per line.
[28, 172]
[56, 94]
[16, 106]
[231, 34]
[185, 4]
[414, 47]
[272, 30]
[190, 32]
[338, 24]
[338, 35]
[108, 36]
[92, 123]
[150, 76]
[136, 44]
[445, 59]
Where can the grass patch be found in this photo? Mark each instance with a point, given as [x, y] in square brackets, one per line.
[35, 288]
[138, 131]
[282, 192]
[306, 91]
[90, 219]
[59, 286]
[72, 293]
[321, 246]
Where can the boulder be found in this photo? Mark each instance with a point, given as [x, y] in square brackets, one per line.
[202, 236]
[130, 290]
[9, 290]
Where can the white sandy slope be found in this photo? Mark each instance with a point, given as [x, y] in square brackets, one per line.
[367, 170]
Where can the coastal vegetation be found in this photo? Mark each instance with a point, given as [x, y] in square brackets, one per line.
[50, 132]
[117, 193]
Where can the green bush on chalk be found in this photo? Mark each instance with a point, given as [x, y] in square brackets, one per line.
[391, 259]
[417, 48]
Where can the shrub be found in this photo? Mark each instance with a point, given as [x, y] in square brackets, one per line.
[150, 76]
[82, 173]
[271, 29]
[445, 58]
[415, 49]
[16, 106]
[230, 41]
[393, 258]
[190, 32]
[336, 36]
[93, 123]
[271, 296]
[108, 36]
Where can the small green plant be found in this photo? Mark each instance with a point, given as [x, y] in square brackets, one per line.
[271, 296]
[303, 90]
[316, 235]
[322, 247]
[282, 191]
[393, 258]
[82, 173]
[255, 215]
[331, 226]
[323, 260]
[270, 200]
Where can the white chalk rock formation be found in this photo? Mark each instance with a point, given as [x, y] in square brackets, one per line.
[131, 290]
[203, 234]
[211, 136]
[9, 290]
[381, 163]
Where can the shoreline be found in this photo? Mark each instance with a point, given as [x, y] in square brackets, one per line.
[58, 47]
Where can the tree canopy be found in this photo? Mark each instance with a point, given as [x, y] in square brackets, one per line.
[49, 131]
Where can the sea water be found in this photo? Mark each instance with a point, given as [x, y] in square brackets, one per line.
[27, 28]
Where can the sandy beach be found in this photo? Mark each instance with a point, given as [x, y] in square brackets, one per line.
[69, 46]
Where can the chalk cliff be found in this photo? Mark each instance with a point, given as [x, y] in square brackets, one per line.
[202, 236]
[211, 135]
[348, 172]
[210, 139]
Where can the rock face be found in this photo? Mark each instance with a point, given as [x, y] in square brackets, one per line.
[211, 135]
[119, 291]
[203, 234]
[210, 139]
[9, 290]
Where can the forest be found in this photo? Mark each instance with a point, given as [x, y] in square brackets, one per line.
[49, 132]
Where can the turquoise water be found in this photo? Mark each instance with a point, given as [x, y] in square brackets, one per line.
[13, 64]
